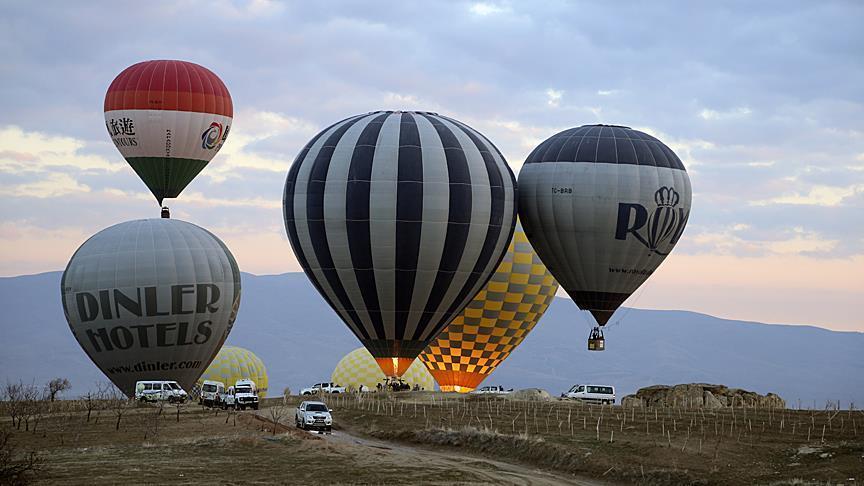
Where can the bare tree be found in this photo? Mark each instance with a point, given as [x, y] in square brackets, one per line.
[180, 406]
[277, 412]
[57, 386]
[12, 401]
[28, 398]
[15, 467]
[119, 404]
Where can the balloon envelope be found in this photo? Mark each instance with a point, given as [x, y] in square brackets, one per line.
[603, 206]
[496, 321]
[152, 299]
[233, 363]
[168, 119]
[398, 219]
[359, 368]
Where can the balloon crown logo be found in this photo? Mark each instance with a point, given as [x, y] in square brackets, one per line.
[657, 230]
[211, 136]
[666, 197]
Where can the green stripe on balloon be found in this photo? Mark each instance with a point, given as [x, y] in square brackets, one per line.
[166, 177]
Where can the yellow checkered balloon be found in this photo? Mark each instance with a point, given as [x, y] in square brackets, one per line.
[232, 364]
[359, 368]
[495, 322]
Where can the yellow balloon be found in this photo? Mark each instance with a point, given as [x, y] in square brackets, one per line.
[359, 368]
[232, 364]
[495, 322]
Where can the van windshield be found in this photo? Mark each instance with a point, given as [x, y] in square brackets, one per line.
[243, 389]
[174, 386]
[209, 388]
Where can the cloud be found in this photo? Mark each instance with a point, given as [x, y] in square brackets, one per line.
[739, 112]
[818, 195]
[50, 185]
[483, 9]
[34, 151]
[553, 97]
[767, 147]
[736, 240]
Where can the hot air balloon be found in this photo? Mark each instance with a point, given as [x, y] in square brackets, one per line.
[603, 206]
[398, 219]
[152, 299]
[168, 119]
[495, 322]
[359, 368]
[233, 363]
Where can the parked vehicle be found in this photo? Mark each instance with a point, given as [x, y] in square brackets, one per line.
[492, 390]
[243, 394]
[322, 388]
[211, 393]
[315, 416]
[156, 391]
[601, 394]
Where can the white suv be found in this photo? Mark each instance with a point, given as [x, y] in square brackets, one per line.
[314, 415]
[322, 388]
[243, 394]
[601, 394]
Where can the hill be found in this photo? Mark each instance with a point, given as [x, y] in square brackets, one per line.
[284, 321]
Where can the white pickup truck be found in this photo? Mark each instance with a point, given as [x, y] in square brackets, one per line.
[315, 416]
[601, 394]
[491, 390]
[243, 394]
[322, 388]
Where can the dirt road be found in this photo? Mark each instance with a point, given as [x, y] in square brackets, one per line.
[374, 453]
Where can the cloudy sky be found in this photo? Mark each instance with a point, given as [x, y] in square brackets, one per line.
[763, 101]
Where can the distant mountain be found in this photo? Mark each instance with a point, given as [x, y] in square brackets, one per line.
[286, 323]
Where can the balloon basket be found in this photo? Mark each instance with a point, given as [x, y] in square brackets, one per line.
[596, 341]
[166, 213]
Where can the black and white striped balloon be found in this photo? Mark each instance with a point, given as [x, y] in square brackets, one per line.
[398, 219]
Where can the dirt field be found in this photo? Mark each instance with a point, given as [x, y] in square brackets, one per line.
[431, 438]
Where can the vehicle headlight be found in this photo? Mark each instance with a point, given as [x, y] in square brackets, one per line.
[310, 419]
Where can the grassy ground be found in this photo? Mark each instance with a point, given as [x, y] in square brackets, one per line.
[672, 445]
[664, 446]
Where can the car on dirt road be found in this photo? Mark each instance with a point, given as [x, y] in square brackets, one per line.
[602, 394]
[314, 416]
[322, 388]
[492, 390]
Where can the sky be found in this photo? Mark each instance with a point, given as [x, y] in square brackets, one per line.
[762, 101]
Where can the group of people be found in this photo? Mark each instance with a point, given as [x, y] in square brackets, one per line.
[395, 384]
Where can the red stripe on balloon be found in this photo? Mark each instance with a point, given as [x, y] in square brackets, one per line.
[169, 85]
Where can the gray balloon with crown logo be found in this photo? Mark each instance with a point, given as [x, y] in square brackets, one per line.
[603, 206]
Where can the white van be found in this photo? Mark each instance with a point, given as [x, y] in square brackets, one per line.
[154, 391]
[601, 394]
[211, 393]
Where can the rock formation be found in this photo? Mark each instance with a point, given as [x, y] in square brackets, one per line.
[700, 395]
